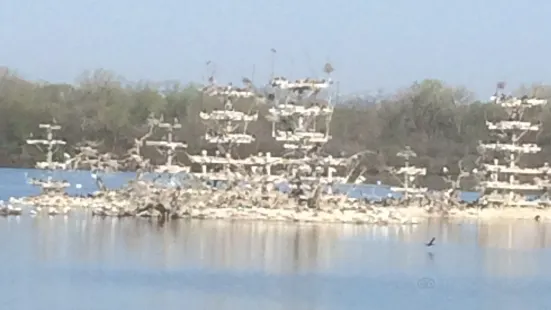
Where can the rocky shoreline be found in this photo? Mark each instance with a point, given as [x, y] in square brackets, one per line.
[105, 207]
[145, 200]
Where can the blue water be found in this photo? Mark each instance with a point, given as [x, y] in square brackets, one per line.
[15, 180]
[80, 262]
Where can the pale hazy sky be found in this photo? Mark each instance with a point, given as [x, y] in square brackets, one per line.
[372, 44]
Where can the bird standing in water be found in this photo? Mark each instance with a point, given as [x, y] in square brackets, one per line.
[431, 242]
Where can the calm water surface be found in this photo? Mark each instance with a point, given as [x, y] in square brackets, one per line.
[82, 262]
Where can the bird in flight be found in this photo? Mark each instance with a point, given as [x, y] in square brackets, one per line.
[431, 242]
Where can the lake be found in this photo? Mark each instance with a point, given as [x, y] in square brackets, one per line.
[80, 262]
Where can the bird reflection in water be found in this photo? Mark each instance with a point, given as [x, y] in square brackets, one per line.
[430, 255]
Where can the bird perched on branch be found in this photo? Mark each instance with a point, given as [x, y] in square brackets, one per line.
[314, 149]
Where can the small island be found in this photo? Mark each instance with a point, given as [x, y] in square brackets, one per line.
[304, 183]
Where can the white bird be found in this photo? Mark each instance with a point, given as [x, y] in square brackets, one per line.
[475, 170]
[78, 186]
[445, 169]
[66, 156]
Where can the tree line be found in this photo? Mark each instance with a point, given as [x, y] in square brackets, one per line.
[441, 123]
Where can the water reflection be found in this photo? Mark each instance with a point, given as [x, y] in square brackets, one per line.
[240, 246]
[517, 235]
[278, 248]
[241, 265]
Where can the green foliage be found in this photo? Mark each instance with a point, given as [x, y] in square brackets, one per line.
[441, 123]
